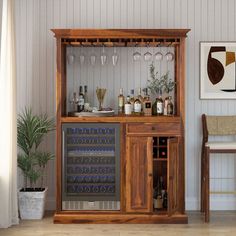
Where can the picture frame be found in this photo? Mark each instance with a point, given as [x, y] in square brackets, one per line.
[217, 70]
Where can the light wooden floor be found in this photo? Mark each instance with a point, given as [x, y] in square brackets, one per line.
[222, 223]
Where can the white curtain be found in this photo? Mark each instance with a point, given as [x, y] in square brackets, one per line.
[8, 129]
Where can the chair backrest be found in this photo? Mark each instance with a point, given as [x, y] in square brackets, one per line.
[218, 125]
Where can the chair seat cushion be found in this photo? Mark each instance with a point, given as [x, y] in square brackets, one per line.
[221, 145]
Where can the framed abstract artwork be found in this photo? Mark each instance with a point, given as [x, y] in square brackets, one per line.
[217, 70]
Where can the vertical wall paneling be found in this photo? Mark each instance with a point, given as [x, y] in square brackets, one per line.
[212, 20]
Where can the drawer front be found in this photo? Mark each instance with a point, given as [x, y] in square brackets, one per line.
[154, 128]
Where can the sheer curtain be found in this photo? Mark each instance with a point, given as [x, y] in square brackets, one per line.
[8, 138]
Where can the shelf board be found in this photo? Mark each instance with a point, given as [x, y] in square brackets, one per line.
[160, 159]
[160, 146]
[122, 119]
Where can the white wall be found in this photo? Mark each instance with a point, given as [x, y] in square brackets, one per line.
[209, 20]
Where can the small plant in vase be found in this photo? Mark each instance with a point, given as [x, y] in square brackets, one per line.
[31, 129]
[157, 85]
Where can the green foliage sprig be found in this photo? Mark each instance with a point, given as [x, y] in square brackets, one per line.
[158, 85]
[31, 129]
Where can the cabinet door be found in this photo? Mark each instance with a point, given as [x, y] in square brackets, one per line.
[139, 174]
[173, 171]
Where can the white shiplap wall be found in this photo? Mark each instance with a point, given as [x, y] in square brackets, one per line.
[209, 20]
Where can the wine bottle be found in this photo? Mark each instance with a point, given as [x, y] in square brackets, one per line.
[141, 99]
[81, 99]
[128, 106]
[137, 106]
[170, 107]
[132, 99]
[159, 106]
[147, 104]
[121, 102]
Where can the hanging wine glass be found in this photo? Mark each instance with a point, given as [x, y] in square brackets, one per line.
[70, 57]
[115, 57]
[136, 55]
[103, 56]
[147, 55]
[93, 58]
[169, 55]
[158, 56]
[81, 57]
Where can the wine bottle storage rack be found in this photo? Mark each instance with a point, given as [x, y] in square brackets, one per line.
[91, 162]
[160, 147]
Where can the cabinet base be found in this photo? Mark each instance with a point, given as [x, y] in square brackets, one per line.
[75, 218]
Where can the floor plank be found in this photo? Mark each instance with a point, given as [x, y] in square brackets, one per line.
[222, 223]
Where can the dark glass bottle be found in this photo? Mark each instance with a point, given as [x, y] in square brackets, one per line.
[154, 108]
[165, 200]
[81, 99]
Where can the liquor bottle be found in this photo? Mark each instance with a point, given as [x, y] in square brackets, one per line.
[170, 107]
[137, 106]
[159, 106]
[132, 99]
[154, 108]
[165, 105]
[128, 106]
[165, 200]
[121, 102]
[85, 94]
[74, 102]
[86, 102]
[157, 196]
[81, 99]
[147, 104]
[140, 97]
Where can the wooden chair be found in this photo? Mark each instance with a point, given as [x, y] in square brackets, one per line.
[217, 126]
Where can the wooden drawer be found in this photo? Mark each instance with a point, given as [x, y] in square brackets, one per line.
[161, 128]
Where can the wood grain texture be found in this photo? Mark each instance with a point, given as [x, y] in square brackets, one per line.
[121, 218]
[139, 174]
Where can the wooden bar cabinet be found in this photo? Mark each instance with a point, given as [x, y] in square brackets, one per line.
[141, 141]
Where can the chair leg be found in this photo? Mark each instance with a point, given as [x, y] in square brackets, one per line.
[207, 185]
[202, 180]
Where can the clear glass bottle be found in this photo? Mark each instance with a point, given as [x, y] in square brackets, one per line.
[147, 104]
[140, 97]
[137, 106]
[132, 99]
[170, 107]
[128, 106]
[121, 102]
[160, 106]
[81, 99]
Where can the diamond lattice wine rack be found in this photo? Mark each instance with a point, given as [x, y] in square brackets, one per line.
[91, 165]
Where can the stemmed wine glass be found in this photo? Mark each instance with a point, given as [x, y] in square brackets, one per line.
[70, 57]
[158, 56]
[93, 58]
[169, 55]
[81, 57]
[115, 57]
[136, 55]
[147, 55]
[103, 56]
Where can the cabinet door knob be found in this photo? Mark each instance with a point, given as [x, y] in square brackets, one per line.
[153, 128]
[150, 174]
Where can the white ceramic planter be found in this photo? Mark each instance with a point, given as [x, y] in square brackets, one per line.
[32, 204]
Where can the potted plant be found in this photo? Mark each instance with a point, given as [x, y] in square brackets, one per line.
[31, 130]
[157, 85]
